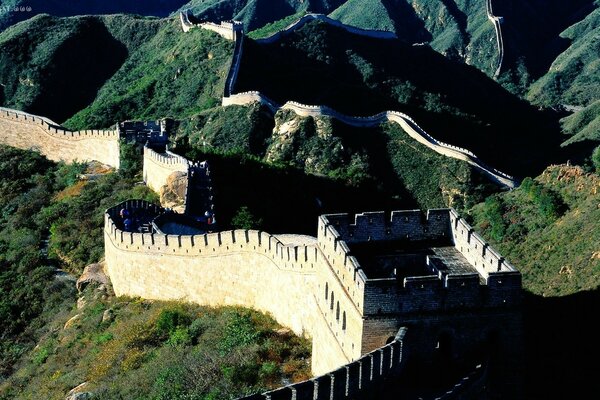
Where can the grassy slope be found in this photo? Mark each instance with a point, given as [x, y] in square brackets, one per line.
[583, 124]
[158, 350]
[459, 30]
[41, 200]
[172, 75]
[54, 66]
[256, 13]
[553, 242]
[383, 161]
[574, 76]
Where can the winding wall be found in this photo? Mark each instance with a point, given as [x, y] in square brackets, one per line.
[158, 167]
[378, 34]
[243, 268]
[497, 21]
[27, 131]
[226, 29]
[407, 123]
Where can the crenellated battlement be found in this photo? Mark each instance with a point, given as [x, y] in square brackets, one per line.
[27, 131]
[228, 29]
[55, 129]
[351, 289]
[407, 123]
[477, 276]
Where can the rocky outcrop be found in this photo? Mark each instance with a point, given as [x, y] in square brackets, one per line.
[78, 392]
[93, 273]
[172, 195]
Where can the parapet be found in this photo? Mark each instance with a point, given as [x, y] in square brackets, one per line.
[409, 261]
[298, 258]
[355, 379]
[377, 226]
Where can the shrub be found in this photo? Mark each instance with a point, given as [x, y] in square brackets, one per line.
[596, 159]
[245, 219]
[240, 331]
[169, 320]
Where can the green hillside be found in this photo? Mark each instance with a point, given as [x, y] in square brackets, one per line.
[14, 11]
[95, 71]
[171, 75]
[54, 66]
[574, 76]
[459, 30]
[256, 13]
[356, 75]
[549, 228]
[384, 160]
[583, 125]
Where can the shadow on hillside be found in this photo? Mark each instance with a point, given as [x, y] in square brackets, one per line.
[533, 34]
[287, 199]
[561, 343]
[78, 69]
[356, 75]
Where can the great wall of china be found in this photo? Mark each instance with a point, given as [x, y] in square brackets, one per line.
[26, 131]
[365, 318]
[497, 21]
[409, 125]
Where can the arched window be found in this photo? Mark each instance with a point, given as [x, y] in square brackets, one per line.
[344, 320]
[332, 301]
[326, 290]
[337, 311]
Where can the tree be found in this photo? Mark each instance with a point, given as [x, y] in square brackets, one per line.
[244, 219]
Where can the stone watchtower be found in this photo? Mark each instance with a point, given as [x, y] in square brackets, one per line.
[430, 273]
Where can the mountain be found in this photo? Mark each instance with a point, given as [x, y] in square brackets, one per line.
[13, 11]
[574, 76]
[458, 29]
[356, 75]
[550, 228]
[110, 68]
[55, 66]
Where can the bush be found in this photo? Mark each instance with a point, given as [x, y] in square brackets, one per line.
[596, 159]
[170, 320]
[240, 331]
[245, 219]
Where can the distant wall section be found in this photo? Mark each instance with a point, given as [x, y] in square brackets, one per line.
[31, 132]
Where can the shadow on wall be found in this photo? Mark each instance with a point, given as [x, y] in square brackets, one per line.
[561, 342]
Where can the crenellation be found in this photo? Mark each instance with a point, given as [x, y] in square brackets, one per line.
[348, 313]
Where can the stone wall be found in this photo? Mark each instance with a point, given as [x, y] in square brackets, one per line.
[358, 379]
[31, 132]
[158, 167]
[409, 125]
[229, 30]
[244, 268]
[379, 34]
[497, 21]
